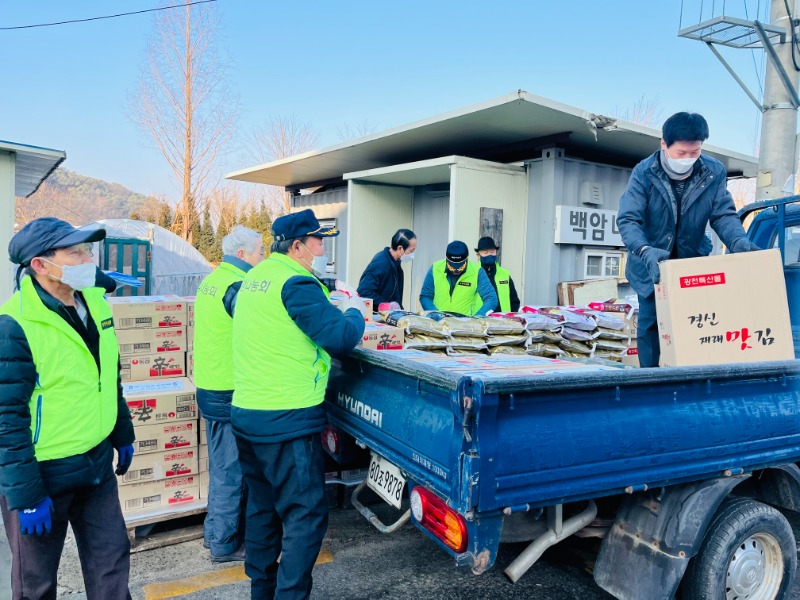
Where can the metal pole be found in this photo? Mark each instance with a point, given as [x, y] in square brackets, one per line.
[738, 79]
[779, 123]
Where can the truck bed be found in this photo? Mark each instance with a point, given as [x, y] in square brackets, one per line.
[542, 434]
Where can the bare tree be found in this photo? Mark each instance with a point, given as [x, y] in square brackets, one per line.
[277, 138]
[361, 129]
[54, 201]
[184, 104]
[645, 111]
[743, 191]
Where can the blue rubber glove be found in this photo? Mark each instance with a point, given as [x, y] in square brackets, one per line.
[125, 456]
[652, 256]
[743, 245]
[37, 519]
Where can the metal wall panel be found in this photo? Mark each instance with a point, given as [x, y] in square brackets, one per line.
[331, 204]
[431, 224]
[507, 189]
[554, 180]
[375, 213]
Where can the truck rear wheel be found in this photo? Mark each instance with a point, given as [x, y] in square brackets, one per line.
[748, 553]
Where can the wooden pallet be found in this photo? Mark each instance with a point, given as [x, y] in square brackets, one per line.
[160, 515]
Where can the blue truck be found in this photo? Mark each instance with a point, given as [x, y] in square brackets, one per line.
[686, 473]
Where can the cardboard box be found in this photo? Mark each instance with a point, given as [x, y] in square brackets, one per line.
[162, 401]
[155, 494]
[189, 310]
[338, 302]
[203, 457]
[631, 356]
[134, 342]
[166, 437]
[190, 363]
[147, 312]
[378, 336]
[161, 465]
[723, 309]
[204, 481]
[152, 366]
[203, 433]
[190, 337]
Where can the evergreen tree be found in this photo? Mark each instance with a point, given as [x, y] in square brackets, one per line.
[164, 215]
[206, 238]
[264, 224]
[243, 217]
[222, 231]
[194, 225]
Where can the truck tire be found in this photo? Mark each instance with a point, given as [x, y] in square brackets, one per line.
[748, 553]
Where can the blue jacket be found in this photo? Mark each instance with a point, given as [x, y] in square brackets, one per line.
[648, 213]
[382, 280]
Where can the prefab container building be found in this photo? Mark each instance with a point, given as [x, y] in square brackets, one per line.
[541, 177]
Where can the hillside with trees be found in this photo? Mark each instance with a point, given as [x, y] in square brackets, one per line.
[78, 199]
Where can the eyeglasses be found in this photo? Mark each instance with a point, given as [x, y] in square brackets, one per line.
[80, 250]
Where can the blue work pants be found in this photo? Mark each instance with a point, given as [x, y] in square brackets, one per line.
[647, 337]
[224, 525]
[287, 512]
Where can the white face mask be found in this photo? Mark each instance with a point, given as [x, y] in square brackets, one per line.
[680, 165]
[318, 263]
[78, 277]
[407, 257]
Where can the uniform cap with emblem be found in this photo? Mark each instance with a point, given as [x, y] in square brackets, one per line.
[48, 233]
[300, 224]
[457, 251]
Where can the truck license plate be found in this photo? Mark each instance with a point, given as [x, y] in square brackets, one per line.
[385, 480]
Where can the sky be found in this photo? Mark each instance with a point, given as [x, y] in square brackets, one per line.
[339, 64]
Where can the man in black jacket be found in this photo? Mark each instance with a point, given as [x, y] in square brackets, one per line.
[382, 280]
[62, 415]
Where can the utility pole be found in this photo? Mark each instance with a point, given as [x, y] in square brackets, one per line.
[777, 160]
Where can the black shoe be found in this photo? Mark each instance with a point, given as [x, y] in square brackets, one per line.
[239, 555]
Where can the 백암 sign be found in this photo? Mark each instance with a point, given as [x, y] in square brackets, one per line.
[586, 226]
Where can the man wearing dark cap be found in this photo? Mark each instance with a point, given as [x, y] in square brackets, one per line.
[62, 415]
[457, 285]
[284, 332]
[500, 278]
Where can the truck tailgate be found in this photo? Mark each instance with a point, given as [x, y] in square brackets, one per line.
[566, 435]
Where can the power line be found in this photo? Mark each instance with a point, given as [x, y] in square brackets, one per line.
[126, 14]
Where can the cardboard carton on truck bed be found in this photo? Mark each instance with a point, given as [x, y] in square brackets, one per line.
[723, 309]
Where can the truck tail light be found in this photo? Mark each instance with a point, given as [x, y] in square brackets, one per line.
[442, 521]
[330, 439]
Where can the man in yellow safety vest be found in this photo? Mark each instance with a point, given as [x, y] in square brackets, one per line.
[500, 278]
[457, 285]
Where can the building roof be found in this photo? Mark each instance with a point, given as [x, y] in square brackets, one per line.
[510, 128]
[33, 165]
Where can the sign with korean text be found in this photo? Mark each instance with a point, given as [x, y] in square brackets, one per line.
[586, 226]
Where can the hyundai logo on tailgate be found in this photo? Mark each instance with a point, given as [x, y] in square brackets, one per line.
[365, 411]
